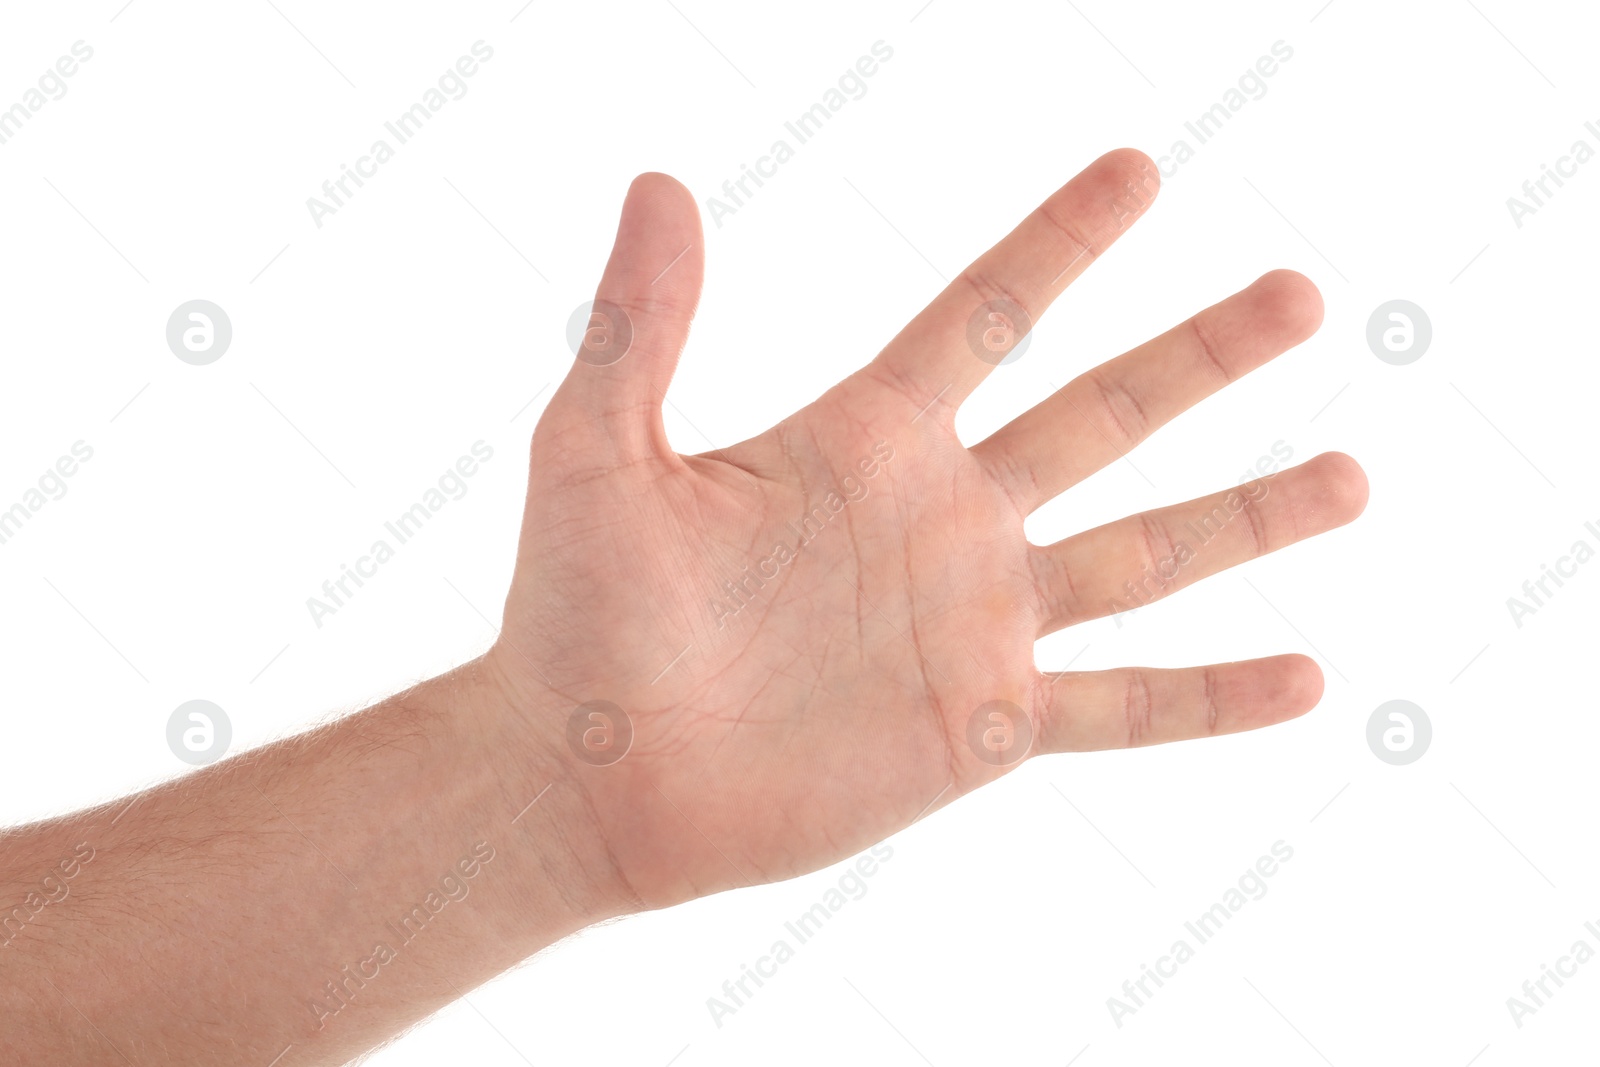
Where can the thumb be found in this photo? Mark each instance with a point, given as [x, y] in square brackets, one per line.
[640, 320]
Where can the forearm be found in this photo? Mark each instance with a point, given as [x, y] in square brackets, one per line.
[321, 893]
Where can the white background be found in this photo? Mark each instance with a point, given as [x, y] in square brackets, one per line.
[426, 313]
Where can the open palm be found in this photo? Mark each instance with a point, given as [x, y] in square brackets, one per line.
[757, 661]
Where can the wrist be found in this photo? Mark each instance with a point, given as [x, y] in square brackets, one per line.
[544, 791]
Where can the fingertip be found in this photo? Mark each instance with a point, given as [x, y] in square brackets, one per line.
[1131, 167]
[659, 243]
[657, 182]
[1300, 684]
[1293, 300]
[1342, 487]
[659, 202]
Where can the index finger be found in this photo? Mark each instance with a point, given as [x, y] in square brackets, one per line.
[976, 323]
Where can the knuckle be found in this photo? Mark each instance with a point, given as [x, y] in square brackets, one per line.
[1120, 408]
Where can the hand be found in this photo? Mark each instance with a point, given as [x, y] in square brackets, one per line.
[808, 632]
[806, 642]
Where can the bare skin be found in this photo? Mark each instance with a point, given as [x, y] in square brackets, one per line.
[796, 635]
